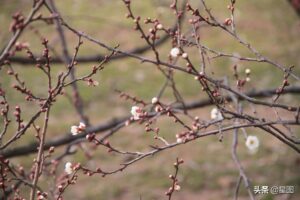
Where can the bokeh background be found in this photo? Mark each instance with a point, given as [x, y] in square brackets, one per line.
[273, 27]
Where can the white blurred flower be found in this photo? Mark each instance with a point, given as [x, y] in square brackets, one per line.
[252, 143]
[136, 112]
[247, 71]
[159, 26]
[175, 52]
[177, 187]
[215, 114]
[68, 168]
[78, 129]
[158, 108]
[74, 130]
[154, 100]
[179, 140]
[82, 125]
[184, 55]
[248, 79]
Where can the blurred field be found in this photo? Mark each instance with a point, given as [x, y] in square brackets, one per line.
[208, 173]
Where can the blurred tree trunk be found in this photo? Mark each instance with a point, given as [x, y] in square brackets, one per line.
[296, 5]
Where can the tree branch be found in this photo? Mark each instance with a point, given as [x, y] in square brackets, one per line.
[67, 138]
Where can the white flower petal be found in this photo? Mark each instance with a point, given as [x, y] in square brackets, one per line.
[159, 26]
[74, 130]
[68, 168]
[179, 140]
[136, 112]
[175, 52]
[177, 187]
[154, 100]
[252, 143]
[215, 114]
[184, 55]
[82, 125]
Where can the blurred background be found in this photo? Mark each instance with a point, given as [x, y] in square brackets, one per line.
[272, 27]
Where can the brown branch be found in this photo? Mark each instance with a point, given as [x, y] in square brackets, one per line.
[67, 138]
[238, 164]
[97, 57]
[17, 34]
[40, 159]
[78, 103]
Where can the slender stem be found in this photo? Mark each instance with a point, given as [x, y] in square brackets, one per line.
[40, 160]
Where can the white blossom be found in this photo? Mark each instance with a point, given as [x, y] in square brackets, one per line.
[247, 71]
[175, 52]
[252, 143]
[136, 112]
[179, 140]
[68, 168]
[159, 26]
[177, 187]
[154, 100]
[248, 79]
[184, 55]
[78, 129]
[82, 125]
[158, 108]
[215, 114]
[74, 130]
